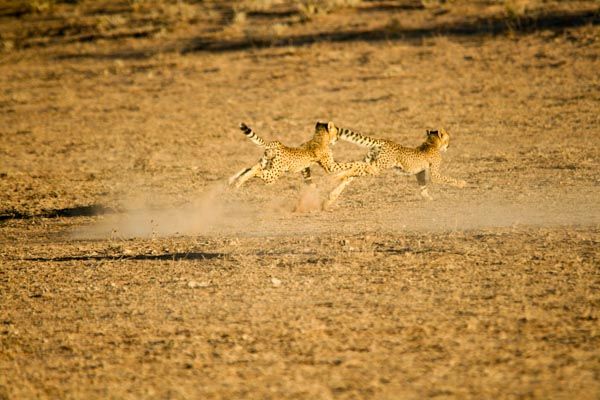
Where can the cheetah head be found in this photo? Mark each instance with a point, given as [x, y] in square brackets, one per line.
[328, 131]
[439, 137]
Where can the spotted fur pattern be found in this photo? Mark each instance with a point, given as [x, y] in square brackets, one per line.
[384, 154]
[279, 158]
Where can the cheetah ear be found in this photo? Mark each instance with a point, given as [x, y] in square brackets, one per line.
[330, 126]
[433, 132]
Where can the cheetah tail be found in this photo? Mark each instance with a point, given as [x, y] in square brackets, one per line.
[250, 134]
[357, 138]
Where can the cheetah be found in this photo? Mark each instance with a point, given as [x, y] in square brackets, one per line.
[385, 154]
[279, 158]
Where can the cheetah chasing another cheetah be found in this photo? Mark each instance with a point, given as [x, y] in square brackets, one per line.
[384, 154]
[423, 161]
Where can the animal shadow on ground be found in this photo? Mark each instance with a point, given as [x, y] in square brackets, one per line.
[143, 257]
[68, 212]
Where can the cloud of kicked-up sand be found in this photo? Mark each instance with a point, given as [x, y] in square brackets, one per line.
[219, 211]
[140, 220]
[309, 200]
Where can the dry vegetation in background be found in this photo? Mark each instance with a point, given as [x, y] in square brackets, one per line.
[127, 270]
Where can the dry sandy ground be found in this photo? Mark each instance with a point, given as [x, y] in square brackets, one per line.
[128, 270]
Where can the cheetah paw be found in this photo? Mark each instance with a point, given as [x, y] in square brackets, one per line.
[425, 195]
[327, 205]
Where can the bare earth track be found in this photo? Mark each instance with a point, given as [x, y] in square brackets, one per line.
[128, 270]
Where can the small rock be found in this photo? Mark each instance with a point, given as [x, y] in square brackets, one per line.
[196, 284]
[276, 282]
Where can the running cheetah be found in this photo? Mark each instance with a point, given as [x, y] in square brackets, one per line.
[279, 158]
[385, 154]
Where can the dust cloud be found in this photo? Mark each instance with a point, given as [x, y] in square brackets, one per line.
[221, 211]
[496, 210]
[141, 220]
[217, 210]
[309, 200]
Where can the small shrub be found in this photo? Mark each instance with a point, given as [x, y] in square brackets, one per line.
[40, 6]
[311, 7]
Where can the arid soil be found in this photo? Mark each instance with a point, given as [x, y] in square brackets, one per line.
[129, 270]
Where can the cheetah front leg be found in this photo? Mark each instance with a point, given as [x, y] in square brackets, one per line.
[345, 169]
[353, 170]
[307, 176]
[436, 177]
[422, 180]
[357, 168]
[335, 193]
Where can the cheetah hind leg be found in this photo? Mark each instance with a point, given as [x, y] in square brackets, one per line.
[241, 177]
[235, 177]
